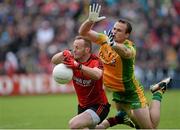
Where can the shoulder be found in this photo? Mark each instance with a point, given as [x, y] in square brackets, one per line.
[94, 57]
[102, 38]
[95, 60]
[130, 44]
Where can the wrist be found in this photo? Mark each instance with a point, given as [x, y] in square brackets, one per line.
[79, 66]
[89, 21]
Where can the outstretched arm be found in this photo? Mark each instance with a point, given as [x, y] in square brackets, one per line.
[59, 57]
[121, 49]
[124, 51]
[85, 29]
[94, 73]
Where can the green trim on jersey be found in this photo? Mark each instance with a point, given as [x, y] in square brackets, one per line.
[128, 70]
[132, 97]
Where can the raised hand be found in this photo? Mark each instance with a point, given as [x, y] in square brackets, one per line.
[94, 11]
[66, 54]
[110, 35]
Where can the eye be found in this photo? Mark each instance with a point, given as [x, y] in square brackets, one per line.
[119, 30]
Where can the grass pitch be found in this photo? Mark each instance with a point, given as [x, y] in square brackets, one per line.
[54, 111]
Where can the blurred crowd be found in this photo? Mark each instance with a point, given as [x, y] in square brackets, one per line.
[31, 31]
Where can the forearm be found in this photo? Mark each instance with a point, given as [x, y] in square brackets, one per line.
[57, 58]
[85, 27]
[123, 51]
[94, 73]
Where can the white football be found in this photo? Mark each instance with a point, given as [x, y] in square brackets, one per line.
[62, 74]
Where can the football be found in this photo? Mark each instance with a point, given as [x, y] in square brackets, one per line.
[62, 74]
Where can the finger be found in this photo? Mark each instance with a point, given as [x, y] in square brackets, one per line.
[109, 32]
[69, 66]
[110, 35]
[66, 63]
[90, 8]
[105, 32]
[93, 8]
[101, 18]
[99, 9]
[111, 40]
[65, 59]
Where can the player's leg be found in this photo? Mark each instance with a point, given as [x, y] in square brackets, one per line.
[139, 117]
[157, 90]
[142, 118]
[90, 117]
[120, 118]
[138, 110]
[154, 110]
[149, 117]
[82, 120]
[128, 119]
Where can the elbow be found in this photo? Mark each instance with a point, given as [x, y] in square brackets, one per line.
[98, 76]
[54, 61]
[57, 58]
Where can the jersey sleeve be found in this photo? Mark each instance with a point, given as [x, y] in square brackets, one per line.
[97, 63]
[100, 65]
[102, 39]
[132, 47]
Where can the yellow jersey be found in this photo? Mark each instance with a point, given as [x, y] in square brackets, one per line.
[118, 72]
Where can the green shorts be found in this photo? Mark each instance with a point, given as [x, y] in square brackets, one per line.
[133, 98]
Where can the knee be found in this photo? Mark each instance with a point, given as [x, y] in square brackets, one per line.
[73, 124]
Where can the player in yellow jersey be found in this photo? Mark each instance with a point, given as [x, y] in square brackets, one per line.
[118, 56]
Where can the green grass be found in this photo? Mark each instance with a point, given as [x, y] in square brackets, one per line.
[54, 111]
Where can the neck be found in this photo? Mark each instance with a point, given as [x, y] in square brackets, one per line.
[84, 58]
[121, 42]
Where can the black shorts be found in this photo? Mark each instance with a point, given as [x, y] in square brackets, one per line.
[101, 110]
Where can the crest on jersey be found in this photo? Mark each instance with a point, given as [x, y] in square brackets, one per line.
[107, 54]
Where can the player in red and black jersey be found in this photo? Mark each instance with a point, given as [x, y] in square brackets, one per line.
[93, 106]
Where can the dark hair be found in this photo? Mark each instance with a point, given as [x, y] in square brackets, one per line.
[87, 42]
[129, 27]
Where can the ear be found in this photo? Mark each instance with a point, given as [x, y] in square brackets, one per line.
[127, 35]
[87, 49]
